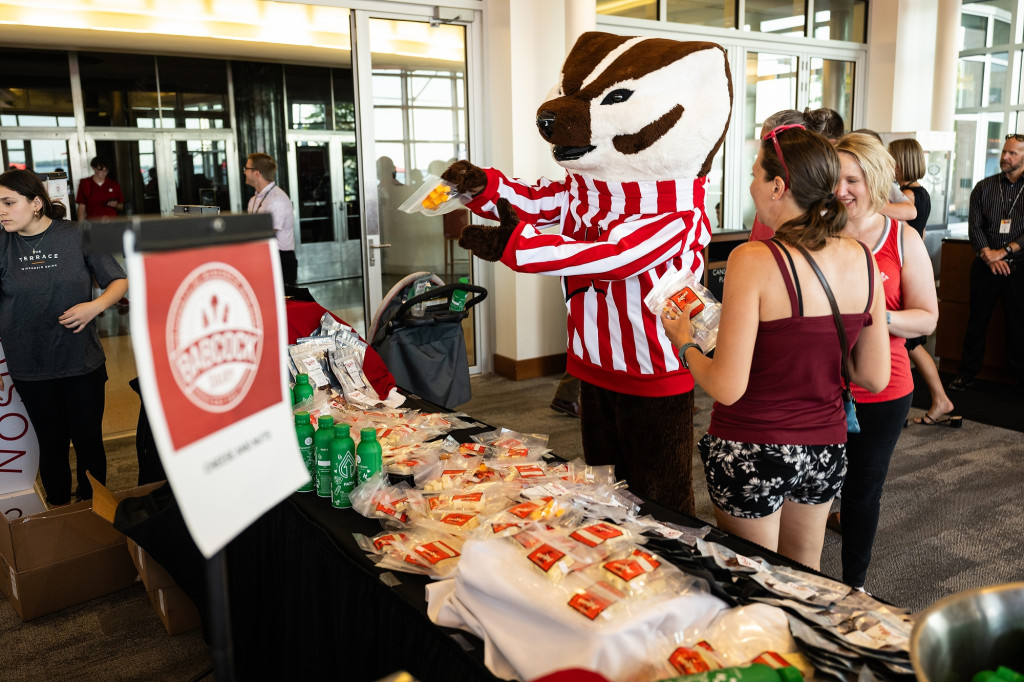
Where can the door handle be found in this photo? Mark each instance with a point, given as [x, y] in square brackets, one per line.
[373, 261]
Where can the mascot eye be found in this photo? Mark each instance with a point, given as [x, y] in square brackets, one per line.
[616, 96]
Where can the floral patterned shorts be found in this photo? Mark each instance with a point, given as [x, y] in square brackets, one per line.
[751, 481]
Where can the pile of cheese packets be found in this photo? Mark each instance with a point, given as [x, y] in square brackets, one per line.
[577, 530]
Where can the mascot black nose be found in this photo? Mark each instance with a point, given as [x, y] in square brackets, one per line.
[546, 123]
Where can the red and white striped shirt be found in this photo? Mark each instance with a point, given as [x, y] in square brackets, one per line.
[616, 241]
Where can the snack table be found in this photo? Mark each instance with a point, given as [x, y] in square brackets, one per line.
[307, 602]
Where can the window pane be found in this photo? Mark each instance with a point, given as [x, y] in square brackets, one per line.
[963, 167]
[718, 13]
[194, 92]
[309, 97]
[433, 124]
[840, 20]
[391, 165]
[41, 156]
[118, 91]
[781, 17]
[999, 76]
[200, 173]
[387, 123]
[972, 31]
[344, 100]
[35, 89]
[771, 86]
[429, 91]
[969, 75]
[637, 9]
[831, 86]
[387, 88]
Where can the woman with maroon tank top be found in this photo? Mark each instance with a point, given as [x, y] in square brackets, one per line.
[774, 455]
[912, 310]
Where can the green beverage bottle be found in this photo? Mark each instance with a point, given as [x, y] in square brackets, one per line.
[369, 454]
[322, 453]
[755, 672]
[302, 389]
[459, 296]
[343, 467]
[304, 432]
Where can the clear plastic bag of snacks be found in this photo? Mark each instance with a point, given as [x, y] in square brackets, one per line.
[454, 474]
[346, 364]
[603, 535]
[552, 512]
[597, 593]
[580, 472]
[680, 289]
[415, 468]
[551, 552]
[375, 498]
[379, 543]
[435, 197]
[423, 551]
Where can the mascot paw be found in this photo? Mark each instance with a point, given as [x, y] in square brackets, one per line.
[467, 178]
[489, 243]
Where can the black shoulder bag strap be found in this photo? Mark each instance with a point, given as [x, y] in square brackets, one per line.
[841, 328]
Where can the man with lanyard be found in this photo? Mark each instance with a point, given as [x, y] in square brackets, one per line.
[996, 230]
[260, 171]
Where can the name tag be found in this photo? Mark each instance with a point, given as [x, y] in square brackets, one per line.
[1004, 226]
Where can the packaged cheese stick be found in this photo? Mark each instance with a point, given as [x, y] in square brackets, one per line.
[435, 551]
[375, 498]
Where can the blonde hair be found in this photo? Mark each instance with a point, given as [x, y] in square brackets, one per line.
[875, 162]
[909, 158]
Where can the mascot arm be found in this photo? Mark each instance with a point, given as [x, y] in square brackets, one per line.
[628, 250]
[539, 204]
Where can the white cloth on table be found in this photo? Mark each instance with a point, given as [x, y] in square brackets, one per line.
[529, 631]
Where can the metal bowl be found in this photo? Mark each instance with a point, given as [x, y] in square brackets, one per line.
[970, 631]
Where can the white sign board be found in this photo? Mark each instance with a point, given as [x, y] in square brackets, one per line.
[208, 330]
[19, 448]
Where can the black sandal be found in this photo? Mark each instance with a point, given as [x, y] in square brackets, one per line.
[950, 420]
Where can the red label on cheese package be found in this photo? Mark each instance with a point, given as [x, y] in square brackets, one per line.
[436, 551]
[589, 604]
[686, 297]
[545, 557]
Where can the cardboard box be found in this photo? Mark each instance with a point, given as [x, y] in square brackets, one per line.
[61, 557]
[176, 610]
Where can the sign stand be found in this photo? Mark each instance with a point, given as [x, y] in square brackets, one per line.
[171, 234]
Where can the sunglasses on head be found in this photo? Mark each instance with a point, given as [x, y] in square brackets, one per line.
[1016, 136]
[773, 135]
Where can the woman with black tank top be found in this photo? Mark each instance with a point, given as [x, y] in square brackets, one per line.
[774, 455]
[910, 168]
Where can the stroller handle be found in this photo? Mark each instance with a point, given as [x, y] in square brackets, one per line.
[446, 291]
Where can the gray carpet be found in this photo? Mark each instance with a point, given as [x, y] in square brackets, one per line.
[951, 521]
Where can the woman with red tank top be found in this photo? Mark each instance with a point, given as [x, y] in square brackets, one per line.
[774, 456]
[911, 310]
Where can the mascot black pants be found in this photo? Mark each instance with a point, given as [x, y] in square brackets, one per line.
[649, 440]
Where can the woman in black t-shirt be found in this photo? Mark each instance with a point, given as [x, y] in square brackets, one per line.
[910, 167]
[51, 345]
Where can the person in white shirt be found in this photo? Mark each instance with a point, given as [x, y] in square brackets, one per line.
[260, 171]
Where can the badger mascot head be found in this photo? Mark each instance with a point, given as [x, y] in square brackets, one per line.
[636, 109]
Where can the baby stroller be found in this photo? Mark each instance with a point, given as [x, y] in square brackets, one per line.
[426, 353]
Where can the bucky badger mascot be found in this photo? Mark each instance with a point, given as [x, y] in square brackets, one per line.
[635, 122]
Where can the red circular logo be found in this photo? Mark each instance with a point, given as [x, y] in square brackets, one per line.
[214, 337]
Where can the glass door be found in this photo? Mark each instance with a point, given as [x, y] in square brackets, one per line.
[324, 191]
[417, 100]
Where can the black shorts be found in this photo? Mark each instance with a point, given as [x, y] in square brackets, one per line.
[751, 481]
